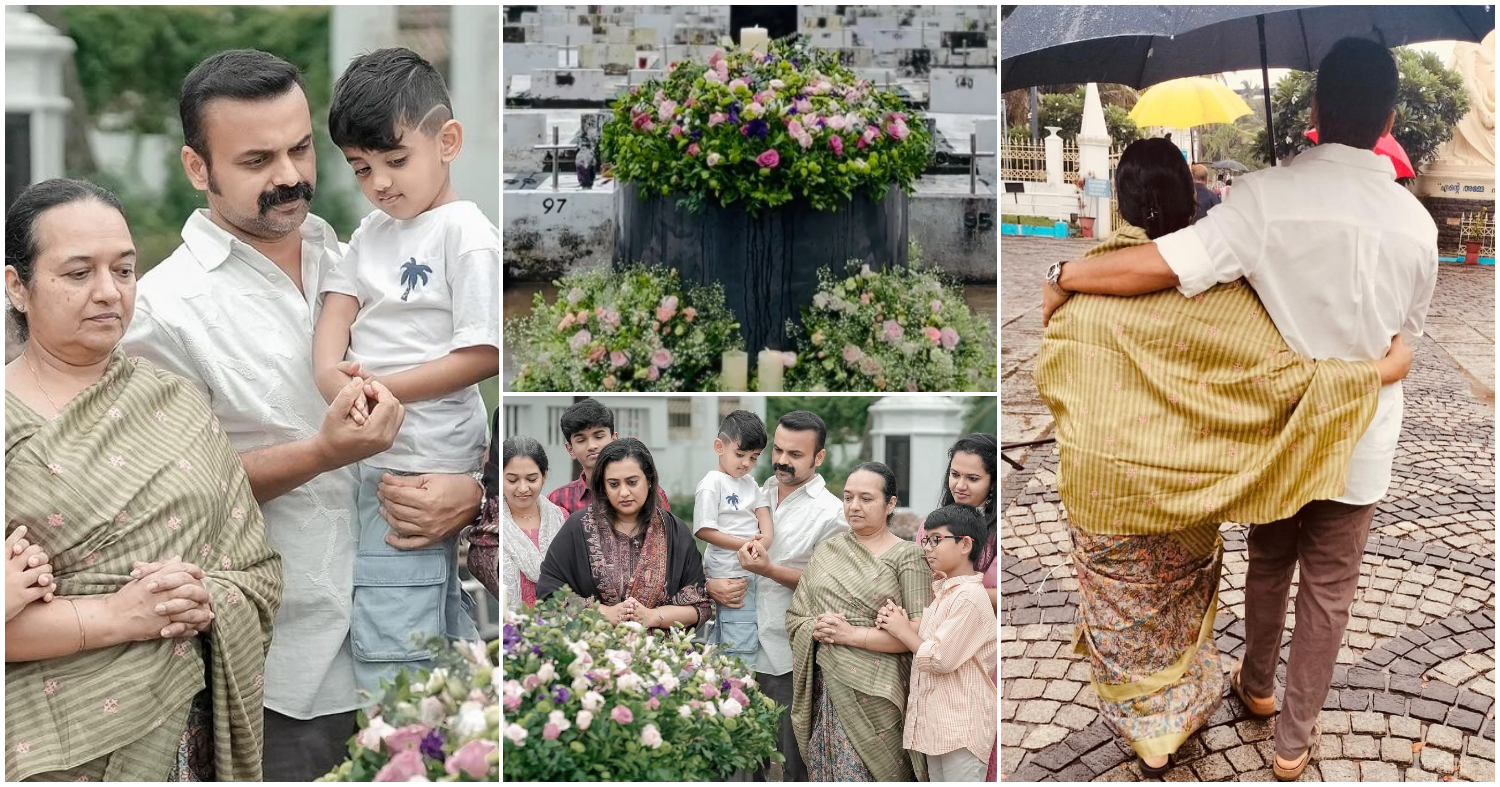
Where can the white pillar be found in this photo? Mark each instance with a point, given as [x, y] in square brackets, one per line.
[35, 54]
[1093, 157]
[933, 424]
[1052, 144]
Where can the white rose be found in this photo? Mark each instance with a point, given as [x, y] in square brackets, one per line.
[630, 682]
[471, 720]
[730, 708]
[651, 737]
[545, 674]
[517, 734]
[684, 711]
[560, 719]
[708, 710]
[592, 701]
[371, 736]
[432, 710]
[669, 682]
[585, 718]
[580, 685]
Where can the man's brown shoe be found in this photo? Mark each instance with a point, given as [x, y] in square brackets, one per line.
[1259, 708]
[1288, 774]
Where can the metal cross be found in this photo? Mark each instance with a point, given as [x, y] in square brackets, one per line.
[557, 148]
[974, 155]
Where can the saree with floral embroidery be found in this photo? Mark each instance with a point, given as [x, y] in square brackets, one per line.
[848, 703]
[136, 468]
[1173, 415]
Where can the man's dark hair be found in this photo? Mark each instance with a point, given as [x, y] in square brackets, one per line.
[1356, 91]
[21, 248]
[618, 451]
[584, 416]
[240, 74]
[1154, 187]
[384, 93]
[964, 522]
[803, 421]
[744, 429]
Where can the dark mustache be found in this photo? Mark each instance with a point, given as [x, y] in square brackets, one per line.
[784, 469]
[284, 194]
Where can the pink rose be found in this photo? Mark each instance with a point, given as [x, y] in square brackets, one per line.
[661, 358]
[618, 359]
[891, 331]
[580, 340]
[652, 703]
[710, 691]
[622, 714]
[789, 359]
[852, 353]
[897, 130]
[532, 681]
[609, 382]
[755, 110]
[665, 111]
[712, 76]
[471, 759]
[864, 298]
[716, 118]
[794, 128]
[550, 732]
[936, 306]
[596, 355]
[408, 737]
[512, 701]
[737, 83]
[565, 323]
[769, 159]
[933, 335]
[675, 131]
[837, 144]
[739, 696]
[583, 315]
[911, 386]
[722, 69]
[403, 767]
[804, 106]
[640, 121]
[693, 149]
[949, 338]
[689, 313]
[713, 159]
[653, 374]
[713, 59]
[805, 141]
[837, 122]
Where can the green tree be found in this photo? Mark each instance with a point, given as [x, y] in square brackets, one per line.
[981, 414]
[1066, 110]
[1430, 99]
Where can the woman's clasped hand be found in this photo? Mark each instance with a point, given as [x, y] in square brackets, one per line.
[830, 628]
[166, 599]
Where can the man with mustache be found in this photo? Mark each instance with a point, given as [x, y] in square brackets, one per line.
[232, 310]
[803, 514]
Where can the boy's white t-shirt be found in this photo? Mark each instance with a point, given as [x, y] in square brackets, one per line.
[728, 505]
[426, 286]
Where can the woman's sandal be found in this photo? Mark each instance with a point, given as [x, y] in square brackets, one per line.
[1257, 707]
[1156, 773]
[1291, 774]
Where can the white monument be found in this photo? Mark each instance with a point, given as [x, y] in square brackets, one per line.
[928, 426]
[1464, 167]
[35, 54]
[1093, 158]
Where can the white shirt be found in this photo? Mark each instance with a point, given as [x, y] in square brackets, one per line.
[222, 315]
[807, 517]
[727, 504]
[426, 286]
[1343, 258]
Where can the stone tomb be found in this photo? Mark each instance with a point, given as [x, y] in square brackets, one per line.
[972, 91]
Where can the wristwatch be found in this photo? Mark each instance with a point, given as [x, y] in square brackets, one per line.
[1054, 277]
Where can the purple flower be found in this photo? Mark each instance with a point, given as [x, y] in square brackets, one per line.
[723, 685]
[560, 694]
[758, 129]
[509, 637]
[536, 650]
[734, 112]
[432, 746]
[657, 690]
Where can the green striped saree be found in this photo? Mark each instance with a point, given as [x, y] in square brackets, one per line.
[136, 468]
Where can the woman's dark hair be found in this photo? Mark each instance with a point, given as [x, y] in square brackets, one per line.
[804, 421]
[879, 468]
[744, 429]
[1155, 187]
[964, 522]
[987, 449]
[620, 450]
[526, 447]
[1355, 91]
[384, 93]
[585, 415]
[240, 74]
[21, 218]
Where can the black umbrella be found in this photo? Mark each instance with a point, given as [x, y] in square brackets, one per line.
[1141, 46]
[1231, 165]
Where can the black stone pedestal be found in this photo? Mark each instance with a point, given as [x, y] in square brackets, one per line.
[767, 262]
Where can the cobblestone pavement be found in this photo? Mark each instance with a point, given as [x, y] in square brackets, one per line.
[1413, 694]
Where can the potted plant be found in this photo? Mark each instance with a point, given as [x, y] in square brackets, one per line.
[753, 170]
[1472, 232]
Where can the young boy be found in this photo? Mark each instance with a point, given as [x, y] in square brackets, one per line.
[730, 509]
[950, 708]
[587, 426]
[415, 303]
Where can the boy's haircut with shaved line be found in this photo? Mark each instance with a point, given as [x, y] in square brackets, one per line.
[384, 94]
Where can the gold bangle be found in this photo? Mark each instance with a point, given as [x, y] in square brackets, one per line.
[83, 643]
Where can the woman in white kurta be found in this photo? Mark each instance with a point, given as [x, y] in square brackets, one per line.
[529, 521]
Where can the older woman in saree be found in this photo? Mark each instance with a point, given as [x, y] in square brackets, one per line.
[1174, 415]
[636, 559]
[850, 679]
[144, 667]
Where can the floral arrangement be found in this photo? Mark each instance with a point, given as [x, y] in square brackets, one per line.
[439, 726]
[765, 129]
[589, 701]
[637, 329]
[900, 329]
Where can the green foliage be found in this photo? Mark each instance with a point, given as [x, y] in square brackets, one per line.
[1028, 221]
[1430, 100]
[728, 725]
[131, 66]
[698, 134]
[1066, 111]
[637, 329]
[981, 414]
[903, 328]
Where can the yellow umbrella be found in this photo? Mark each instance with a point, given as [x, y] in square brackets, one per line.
[1188, 102]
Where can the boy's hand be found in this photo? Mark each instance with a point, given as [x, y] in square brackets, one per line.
[892, 618]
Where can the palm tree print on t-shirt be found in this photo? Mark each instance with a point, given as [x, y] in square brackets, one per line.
[733, 500]
[411, 273]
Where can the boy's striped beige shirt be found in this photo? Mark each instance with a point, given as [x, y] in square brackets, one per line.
[952, 701]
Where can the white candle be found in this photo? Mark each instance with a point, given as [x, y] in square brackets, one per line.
[754, 39]
[735, 374]
[770, 366]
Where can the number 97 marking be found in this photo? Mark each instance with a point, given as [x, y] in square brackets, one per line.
[548, 204]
